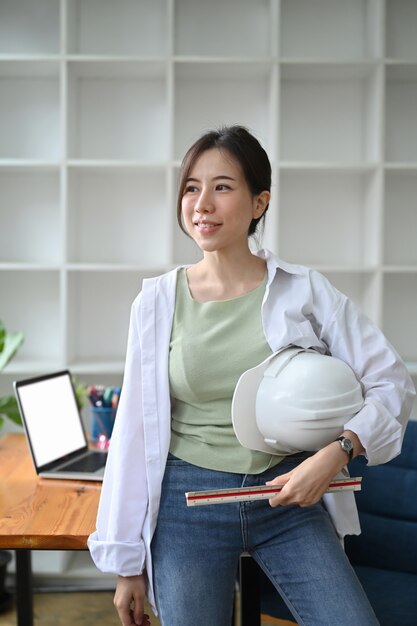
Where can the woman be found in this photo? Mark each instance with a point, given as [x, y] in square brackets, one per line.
[193, 331]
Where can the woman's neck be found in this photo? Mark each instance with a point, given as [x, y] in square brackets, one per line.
[220, 277]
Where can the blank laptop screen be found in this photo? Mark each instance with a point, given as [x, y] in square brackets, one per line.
[52, 418]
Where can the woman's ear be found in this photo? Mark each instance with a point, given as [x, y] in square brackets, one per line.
[261, 202]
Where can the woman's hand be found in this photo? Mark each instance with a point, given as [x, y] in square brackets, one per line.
[129, 600]
[306, 484]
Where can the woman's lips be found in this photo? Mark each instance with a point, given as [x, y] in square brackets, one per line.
[207, 227]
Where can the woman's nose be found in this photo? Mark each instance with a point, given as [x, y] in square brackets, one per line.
[204, 203]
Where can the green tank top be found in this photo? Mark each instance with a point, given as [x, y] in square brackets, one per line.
[212, 344]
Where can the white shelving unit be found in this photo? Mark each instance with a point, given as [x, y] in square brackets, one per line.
[100, 99]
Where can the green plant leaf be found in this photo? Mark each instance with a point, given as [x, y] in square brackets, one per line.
[2, 336]
[9, 408]
[11, 343]
[81, 393]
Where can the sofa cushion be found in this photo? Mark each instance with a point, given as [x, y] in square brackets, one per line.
[387, 507]
[385, 542]
[393, 595]
[390, 489]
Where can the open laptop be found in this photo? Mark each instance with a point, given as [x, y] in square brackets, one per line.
[55, 430]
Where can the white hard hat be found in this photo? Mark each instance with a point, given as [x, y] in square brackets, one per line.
[295, 400]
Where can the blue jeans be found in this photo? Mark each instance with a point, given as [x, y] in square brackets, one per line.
[196, 552]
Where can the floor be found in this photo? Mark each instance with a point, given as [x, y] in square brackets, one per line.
[71, 609]
[81, 609]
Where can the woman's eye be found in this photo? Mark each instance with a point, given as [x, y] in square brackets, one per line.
[190, 189]
[222, 187]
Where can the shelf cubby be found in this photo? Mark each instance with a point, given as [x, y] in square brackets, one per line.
[117, 111]
[329, 29]
[400, 312]
[122, 28]
[118, 216]
[208, 29]
[99, 308]
[29, 28]
[30, 217]
[341, 202]
[401, 113]
[400, 39]
[329, 114]
[31, 303]
[400, 218]
[30, 123]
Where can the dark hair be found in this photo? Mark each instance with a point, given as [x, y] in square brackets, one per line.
[247, 151]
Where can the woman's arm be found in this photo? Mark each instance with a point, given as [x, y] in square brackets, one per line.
[387, 388]
[117, 545]
[377, 430]
[307, 483]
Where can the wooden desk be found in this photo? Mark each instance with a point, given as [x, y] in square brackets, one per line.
[44, 514]
[39, 514]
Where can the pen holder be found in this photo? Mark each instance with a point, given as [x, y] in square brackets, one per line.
[102, 421]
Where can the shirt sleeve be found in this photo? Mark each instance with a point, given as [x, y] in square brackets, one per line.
[386, 384]
[117, 545]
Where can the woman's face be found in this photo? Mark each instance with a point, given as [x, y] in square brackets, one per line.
[217, 204]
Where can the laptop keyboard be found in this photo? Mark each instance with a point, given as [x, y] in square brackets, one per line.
[89, 463]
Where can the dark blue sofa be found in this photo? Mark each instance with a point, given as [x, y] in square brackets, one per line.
[385, 554]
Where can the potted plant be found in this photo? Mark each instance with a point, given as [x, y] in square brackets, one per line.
[9, 345]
